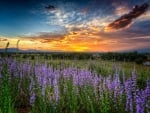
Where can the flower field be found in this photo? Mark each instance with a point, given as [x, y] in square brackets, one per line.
[40, 87]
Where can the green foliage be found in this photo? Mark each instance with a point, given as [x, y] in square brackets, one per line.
[6, 104]
[127, 57]
[105, 104]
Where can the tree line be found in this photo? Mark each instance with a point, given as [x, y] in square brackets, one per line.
[126, 57]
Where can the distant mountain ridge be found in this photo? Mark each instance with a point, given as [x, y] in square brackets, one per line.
[16, 50]
[141, 50]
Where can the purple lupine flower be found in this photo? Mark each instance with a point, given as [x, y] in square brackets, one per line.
[147, 93]
[138, 108]
[131, 105]
[56, 90]
[133, 83]
[129, 100]
[140, 101]
[148, 90]
[32, 99]
[116, 85]
[95, 85]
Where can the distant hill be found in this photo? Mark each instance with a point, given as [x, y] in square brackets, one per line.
[141, 50]
[15, 50]
[9, 50]
[146, 50]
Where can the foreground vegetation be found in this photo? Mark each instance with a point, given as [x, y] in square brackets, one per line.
[136, 57]
[73, 86]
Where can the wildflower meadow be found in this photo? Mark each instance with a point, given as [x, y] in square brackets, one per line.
[28, 86]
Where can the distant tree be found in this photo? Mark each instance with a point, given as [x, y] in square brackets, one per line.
[139, 60]
[32, 57]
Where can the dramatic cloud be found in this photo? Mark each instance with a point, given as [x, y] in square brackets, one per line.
[43, 37]
[73, 25]
[50, 8]
[3, 39]
[121, 10]
[126, 20]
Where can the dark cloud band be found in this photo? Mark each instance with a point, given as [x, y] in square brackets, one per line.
[50, 8]
[126, 20]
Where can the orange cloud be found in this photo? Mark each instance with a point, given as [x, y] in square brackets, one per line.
[79, 42]
[88, 37]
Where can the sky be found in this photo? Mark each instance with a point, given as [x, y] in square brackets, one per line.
[75, 25]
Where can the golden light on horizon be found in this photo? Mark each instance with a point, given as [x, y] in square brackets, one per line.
[86, 40]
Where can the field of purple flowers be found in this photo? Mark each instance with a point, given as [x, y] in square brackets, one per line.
[34, 87]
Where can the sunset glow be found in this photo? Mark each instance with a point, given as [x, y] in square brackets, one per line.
[90, 26]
